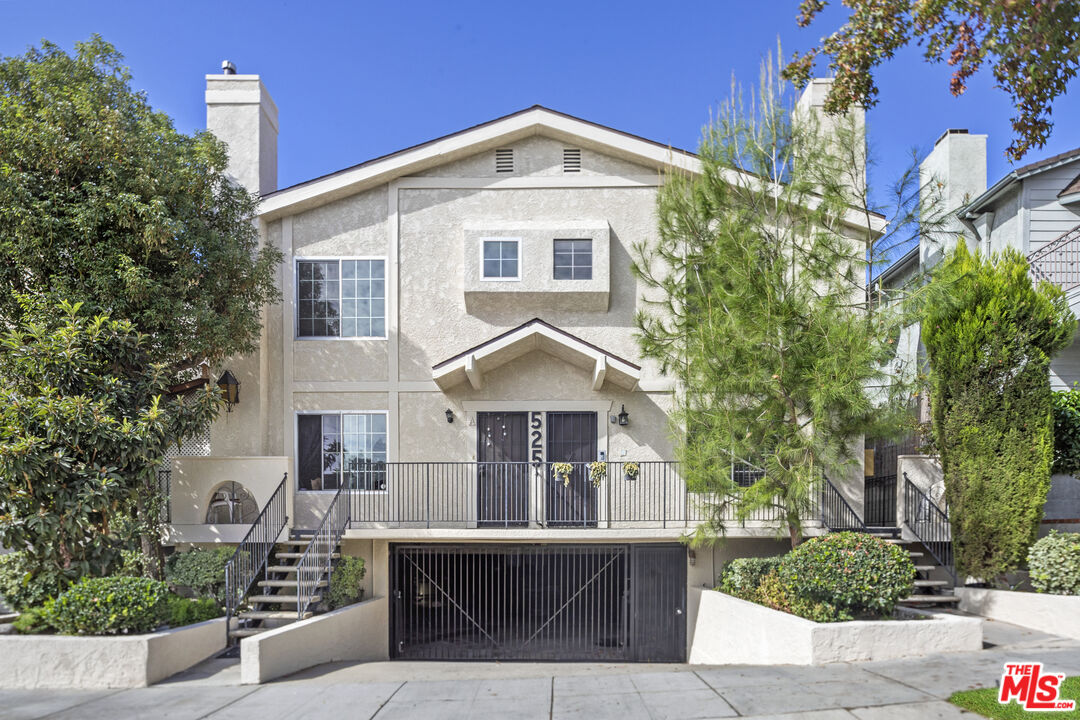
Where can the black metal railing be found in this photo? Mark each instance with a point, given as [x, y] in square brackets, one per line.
[930, 524]
[253, 552]
[836, 513]
[317, 560]
[879, 501]
[650, 494]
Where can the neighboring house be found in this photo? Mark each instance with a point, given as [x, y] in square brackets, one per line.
[457, 317]
[1034, 209]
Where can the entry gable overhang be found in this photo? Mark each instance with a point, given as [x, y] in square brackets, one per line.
[472, 364]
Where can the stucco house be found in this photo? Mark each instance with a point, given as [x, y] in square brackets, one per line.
[458, 318]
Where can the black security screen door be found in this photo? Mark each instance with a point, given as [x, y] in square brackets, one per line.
[538, 602]
[571, 437]
[502, 489]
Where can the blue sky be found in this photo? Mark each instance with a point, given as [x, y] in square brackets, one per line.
[354, 80]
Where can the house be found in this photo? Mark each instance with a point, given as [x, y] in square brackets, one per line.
[457, 321]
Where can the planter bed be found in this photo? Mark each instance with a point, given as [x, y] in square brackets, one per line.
[110, 661]
[730, 631]
[1054, 614]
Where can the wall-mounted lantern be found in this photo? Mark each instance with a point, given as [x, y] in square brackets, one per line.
[230, 390]
[449, 415]
[624, 417]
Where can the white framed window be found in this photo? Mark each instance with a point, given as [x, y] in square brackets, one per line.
[573, 259]
[500, 259]
[341, 298]
[335, 449]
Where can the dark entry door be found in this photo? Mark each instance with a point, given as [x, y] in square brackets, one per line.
[571, 438]
[659, 602]
[502, 480]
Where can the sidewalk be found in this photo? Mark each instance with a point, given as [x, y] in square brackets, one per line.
[894, 690]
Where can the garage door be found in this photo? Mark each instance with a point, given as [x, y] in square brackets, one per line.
[538, 602]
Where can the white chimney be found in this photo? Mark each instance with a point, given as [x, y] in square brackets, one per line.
[241, 113]
[953, 174]
[813, 100]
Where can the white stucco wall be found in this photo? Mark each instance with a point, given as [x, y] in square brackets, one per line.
[1053, 614]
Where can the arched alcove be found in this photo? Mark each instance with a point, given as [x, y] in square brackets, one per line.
[231, 504]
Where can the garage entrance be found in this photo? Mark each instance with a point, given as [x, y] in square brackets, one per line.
[538, 602]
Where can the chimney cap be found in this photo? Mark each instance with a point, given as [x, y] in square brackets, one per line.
[227, 67]
[951, 131]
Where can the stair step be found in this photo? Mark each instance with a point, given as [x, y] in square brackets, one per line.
[297, 556]
[932, 583]
[917, 599]
[285, 583]
[294, 543]
[271, 615]
[281, 568]
[246, 632]
[925, 568]
[281, 599]
[912, 553]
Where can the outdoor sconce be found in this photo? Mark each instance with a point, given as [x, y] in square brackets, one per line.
[449, 415]
[230, 390]
[692, 557]
[624, 417]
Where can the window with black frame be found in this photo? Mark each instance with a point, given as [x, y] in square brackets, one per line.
[336, 448]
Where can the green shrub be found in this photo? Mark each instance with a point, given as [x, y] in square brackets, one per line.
[1054, 562]
[742, 576]
[1067, 432]
[345, 583]
[772, 592]
[19, 586]
[188, 611]
[855, 573]
[201, 570]
[33, 620]
[109, 606]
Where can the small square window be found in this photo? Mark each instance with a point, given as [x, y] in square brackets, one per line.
[500, 260]
[573, 259]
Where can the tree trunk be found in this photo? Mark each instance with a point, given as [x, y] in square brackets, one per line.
[149, 539]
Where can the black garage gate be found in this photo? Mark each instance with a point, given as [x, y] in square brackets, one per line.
[538, 602]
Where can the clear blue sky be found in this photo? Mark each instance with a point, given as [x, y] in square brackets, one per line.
[354, 80]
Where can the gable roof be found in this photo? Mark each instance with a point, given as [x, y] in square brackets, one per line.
[536, 120]
[975, 207]
[535, 334]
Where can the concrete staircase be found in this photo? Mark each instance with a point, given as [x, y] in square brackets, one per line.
[277, 599]
[933, 584]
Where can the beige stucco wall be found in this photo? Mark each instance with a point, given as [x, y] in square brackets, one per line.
[540, 157]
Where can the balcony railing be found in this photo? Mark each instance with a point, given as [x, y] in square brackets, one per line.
[1058, 261]
[533, 495]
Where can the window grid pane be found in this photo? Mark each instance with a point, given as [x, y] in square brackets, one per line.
[363, 298]
[364, 443]
[500, 259]
[344, 298]
[318, 299]
[573, 259]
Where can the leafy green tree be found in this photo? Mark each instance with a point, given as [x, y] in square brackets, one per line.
[1033, 48]
[990, 336]
[102, 201]
[85, 417]
[755, 303]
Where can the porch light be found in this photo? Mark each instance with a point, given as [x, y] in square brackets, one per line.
[230, 390]
[449, 415]
[624, 417]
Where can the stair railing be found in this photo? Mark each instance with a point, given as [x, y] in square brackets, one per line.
[253, 552]
[317, 560]
[930, 524]
[836, 513]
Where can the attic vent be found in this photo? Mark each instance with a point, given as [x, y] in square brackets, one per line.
[504, 160]
[571, 160]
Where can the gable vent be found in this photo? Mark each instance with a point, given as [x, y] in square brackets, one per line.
[571, 160]
[504, 160]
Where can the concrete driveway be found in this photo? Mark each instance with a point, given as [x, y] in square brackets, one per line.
[893, 690]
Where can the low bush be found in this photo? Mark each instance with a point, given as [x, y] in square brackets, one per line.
[1054, 562]
[19, 586]
[345, 588]
[188, 611]
[771, 592]
[201, 570]
[33, 620]
[857, 574]
[742, 576]
[110, 606]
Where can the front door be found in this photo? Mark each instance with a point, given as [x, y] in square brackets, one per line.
[502, 479]
[571, 438]
[659, 601]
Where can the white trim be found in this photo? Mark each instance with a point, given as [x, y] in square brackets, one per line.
[296, 448]
[485, 278]
[475, 375]
[339, 259]
[599, 371]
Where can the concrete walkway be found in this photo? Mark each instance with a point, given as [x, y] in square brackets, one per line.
[894, 690]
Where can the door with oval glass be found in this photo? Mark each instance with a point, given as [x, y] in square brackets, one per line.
[502, 480]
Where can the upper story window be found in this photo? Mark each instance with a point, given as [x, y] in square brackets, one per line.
[340, 298]
[336, 448]
[500, 258]
[573, 259]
